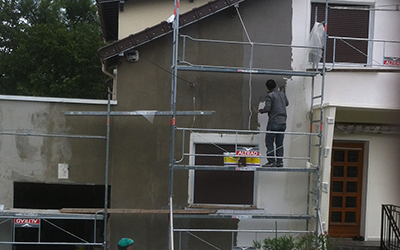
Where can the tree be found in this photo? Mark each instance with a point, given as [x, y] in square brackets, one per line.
[49, 48]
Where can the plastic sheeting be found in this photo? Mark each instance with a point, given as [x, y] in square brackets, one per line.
[316, 39]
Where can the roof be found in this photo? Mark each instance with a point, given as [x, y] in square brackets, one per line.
[110, 53]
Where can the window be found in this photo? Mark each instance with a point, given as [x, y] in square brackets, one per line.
[344, 21]
[212, 187]
[56, 196]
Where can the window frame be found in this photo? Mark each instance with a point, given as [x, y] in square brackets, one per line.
[221, 139]
[371, 21]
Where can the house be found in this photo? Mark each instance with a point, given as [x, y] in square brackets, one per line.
[354, 100]
[358, 116]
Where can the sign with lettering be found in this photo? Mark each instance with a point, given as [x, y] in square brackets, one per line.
[242, 151]
[27, 222]
[391, 61]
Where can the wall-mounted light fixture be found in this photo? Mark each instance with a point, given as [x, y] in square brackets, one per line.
[132, 55]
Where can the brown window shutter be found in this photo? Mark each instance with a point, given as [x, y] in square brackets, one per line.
[345, 23]
[221, 187]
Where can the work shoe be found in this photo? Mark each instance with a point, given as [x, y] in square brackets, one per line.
[269, 165]
[279, 164]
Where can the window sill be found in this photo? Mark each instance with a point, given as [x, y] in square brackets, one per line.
[223, 207]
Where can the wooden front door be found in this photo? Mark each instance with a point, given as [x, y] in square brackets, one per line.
[345, 189]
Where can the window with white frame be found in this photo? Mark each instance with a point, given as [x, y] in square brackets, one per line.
[214, 187]
[347, 23]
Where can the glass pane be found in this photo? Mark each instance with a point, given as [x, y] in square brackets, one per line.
[350, 217]
[338, 171]
[352, 156]
[351, 187]
[352, 171]
[337, 201]
[336, 217]
[338, 156]
[337, 186]
[351, 201]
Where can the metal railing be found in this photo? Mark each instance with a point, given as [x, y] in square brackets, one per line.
[201, 234]
[390, 232]
[236, 138]
[377, 52]
[250, 68]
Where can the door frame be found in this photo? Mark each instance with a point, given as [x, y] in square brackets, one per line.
[364, 181]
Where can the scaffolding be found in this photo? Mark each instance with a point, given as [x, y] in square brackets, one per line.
[315, 138]
[47, 215]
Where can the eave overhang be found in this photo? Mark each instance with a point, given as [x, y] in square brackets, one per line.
[110, 53]
[109, 12]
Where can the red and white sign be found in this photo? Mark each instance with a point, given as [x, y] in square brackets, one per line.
[26, 222]
[247, 152]
[391, 61]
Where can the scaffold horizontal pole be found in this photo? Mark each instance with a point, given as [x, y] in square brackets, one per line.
[252, 168]
[54, 135]
[241, 231]
[136, 113]
[50, 243]
[247, 70]
[243, 131]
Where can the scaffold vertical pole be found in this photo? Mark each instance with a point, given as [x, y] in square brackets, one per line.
[173, 119]
[321, 121]
[106, 175]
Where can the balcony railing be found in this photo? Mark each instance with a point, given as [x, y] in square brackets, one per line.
[390, 232]
[349, 51]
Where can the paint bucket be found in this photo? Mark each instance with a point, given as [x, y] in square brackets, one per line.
[230, 159]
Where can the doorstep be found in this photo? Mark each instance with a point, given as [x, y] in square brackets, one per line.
[350, 244]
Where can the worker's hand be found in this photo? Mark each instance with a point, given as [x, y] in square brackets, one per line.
[260, 111]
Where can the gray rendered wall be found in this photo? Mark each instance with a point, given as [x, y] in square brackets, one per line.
[35, 159]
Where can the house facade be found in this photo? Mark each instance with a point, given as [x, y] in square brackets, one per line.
[358, 118]
[356, 157]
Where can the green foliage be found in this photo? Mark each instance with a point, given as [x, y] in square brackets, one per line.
[303, 242]
[309, 241]
[281, 243]
[49, 48]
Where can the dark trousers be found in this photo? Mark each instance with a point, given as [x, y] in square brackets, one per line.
[271, 138]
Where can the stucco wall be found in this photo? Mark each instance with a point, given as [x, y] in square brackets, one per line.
[140, 14]
[363, 89]
[35, 159]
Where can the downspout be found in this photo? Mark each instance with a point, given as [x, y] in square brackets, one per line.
[104, 70]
